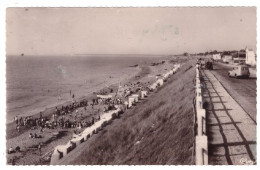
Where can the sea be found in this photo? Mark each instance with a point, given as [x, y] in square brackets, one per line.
[35, 83]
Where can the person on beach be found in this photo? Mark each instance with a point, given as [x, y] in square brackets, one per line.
[41, 130]
[17, 149]
[81, 114]
[18, 128]
[40, 149]
[53, 116]
[13, 161]
[93, 120]
[21, 121]
[15, 119]
[11, 150]
[126, 105]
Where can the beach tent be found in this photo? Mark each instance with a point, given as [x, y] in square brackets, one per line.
[77, 139]
[59, 152]
[109, 96]
[153, 86]
[160, 82]
[143, 94]
[56, 156]
[136, 96]
[165, 76]
[88, 132]
[62, 150]
[130, 101]
[127, 92]
[177, 66]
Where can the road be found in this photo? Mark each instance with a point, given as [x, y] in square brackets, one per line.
[231, 130]
[243, 91]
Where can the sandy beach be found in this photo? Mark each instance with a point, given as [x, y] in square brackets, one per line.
[145, 74]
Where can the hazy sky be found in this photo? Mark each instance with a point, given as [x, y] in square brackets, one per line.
[73, 31]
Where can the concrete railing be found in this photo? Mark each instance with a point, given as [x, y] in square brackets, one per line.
[201, 141]
[61, 151]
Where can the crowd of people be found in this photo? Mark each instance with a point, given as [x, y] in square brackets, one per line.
[71, 115]
[59, 118]
[63, 116]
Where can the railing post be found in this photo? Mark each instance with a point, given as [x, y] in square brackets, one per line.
[201, 150]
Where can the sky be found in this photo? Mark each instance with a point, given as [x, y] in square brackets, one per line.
[157, 31]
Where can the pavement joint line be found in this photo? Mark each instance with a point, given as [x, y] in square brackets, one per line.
[235, 99]
[229, 161]
[232, 144]
[235, 125]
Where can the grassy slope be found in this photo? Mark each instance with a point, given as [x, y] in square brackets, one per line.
[163, 123]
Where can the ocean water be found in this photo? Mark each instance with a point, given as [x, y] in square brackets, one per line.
[35, 83]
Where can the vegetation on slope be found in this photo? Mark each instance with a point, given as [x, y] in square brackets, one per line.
[159, 130]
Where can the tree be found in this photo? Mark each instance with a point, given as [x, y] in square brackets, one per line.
[186, 54]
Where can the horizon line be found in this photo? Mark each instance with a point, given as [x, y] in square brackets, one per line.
[91, 55]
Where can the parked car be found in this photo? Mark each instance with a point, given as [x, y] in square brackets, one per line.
[239, 71]
[209, 65]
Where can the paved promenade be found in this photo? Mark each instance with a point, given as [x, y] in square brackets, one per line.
[231, 131]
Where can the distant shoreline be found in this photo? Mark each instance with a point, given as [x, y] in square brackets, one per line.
[145, 74]
[86, 96]
[23, 108]
[96, 55]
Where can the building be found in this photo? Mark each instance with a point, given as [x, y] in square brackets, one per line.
[227, 58]
[239, 57]
[250, 57]
[216, 57]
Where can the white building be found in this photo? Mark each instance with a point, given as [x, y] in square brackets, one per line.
[250, 57]
[227, 58]
[216, 57]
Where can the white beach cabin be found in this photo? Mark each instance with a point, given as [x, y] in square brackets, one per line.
[130, 101]
[159, 82]
[136, 97]
[143, 94]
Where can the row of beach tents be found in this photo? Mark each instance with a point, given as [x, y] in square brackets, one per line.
[165, 76]
[61, 151]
